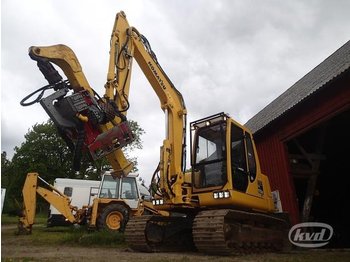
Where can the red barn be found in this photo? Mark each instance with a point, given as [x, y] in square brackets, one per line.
[303, 140]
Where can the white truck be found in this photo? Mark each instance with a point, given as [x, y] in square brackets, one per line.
[81, 192]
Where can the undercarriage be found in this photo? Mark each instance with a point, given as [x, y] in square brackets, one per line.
[223, 231]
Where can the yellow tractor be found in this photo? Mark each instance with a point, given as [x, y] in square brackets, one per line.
[116, 201]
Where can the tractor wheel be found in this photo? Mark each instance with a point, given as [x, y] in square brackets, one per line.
[113, 218]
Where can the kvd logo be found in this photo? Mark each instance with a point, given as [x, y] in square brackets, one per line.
[310, 234]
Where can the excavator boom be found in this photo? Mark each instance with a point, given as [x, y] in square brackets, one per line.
[127, 43]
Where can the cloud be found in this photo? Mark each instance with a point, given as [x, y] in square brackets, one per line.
[232, 56]
[249, 52]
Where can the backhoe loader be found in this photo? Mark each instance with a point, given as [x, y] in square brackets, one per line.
[222, 205]
[116, 201]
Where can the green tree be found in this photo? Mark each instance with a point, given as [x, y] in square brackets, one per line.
[5, 169]
[43, 151]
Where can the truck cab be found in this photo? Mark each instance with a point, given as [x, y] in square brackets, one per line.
[127, 188]
[118, 199]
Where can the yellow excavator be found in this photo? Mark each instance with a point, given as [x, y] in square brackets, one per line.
[223, 204]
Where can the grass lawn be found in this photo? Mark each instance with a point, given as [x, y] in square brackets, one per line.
[65, 235]
[9, 219]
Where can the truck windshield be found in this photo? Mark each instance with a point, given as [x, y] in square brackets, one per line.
[109, 188]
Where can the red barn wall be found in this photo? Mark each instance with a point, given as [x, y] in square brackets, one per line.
[318, 108]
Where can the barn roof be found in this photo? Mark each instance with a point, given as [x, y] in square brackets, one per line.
[331, 68]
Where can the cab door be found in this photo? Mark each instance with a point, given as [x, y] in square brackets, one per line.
[243, 165]
[129, 192]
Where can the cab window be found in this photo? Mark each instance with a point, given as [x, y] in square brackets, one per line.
[109, 188]
[237, 149]
[238, 159]
[251, 158]
[129, 189]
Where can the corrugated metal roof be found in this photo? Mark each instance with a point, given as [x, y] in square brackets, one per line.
[329, 69]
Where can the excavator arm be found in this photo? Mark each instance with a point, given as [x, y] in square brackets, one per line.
[53, 196]
[127, 43]
[84, 120]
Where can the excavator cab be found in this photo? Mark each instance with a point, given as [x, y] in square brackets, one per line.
[209, 157]
[225, 165]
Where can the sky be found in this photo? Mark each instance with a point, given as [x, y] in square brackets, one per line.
[223, 56]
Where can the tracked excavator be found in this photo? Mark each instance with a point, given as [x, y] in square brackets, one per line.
[223, 204]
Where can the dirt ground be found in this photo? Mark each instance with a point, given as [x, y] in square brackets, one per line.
[18, 248]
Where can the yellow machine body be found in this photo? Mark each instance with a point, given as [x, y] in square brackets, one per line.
[224, 201]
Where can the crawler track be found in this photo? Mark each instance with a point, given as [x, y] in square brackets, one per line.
[222, 232]
[159, 234]
[233, 232]
[135, 234]
[209, 232]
